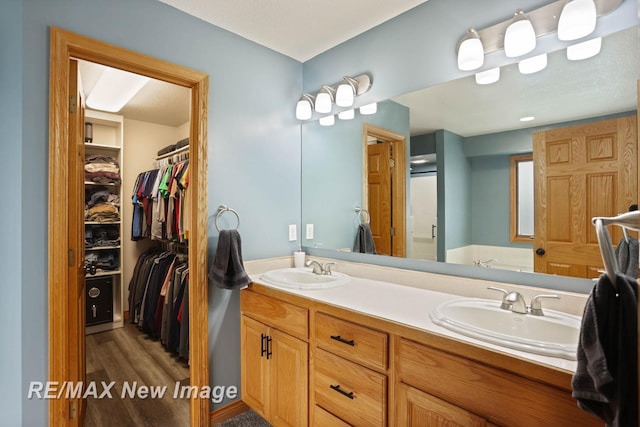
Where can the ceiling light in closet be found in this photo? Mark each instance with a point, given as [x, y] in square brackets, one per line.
[533, 64]
[488, 77]
[347, 115]
[584, 50]
[577, 20]
[327, 120]
[304, 107]
[103, 96]
[369, 109]
[470, 51]
[520, 37]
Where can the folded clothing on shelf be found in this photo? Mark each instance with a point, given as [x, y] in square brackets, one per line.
[102, 169]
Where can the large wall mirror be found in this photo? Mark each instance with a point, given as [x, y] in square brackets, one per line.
[461, 137]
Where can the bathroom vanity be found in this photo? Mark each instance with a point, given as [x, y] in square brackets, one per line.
[367, 354]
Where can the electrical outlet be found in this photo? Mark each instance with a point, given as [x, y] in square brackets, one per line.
[309, 231]
[293, 234]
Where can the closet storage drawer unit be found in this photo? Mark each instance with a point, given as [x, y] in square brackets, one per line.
[351, 392]
[99, 300]
[351, 341]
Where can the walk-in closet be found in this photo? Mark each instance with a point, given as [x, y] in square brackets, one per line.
[136, 183]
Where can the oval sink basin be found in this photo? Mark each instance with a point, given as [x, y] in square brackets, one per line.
[303, 278]
[554, 334]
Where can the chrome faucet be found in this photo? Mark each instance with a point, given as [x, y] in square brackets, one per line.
[536, 305]
[479, 263]
[518, 304]
[515, 302]
[319, 268]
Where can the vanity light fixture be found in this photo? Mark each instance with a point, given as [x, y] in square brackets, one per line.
[584, 50]
[304, 107]
[470, 51]
[533, 64]
[520, 37]
[103, 97]
[347, 114]
[327, 120]
[324, 99]
[488, 77]
[577, 20]
[372, 108]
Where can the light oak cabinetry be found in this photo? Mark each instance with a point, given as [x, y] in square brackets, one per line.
[330, 366]
[275, 359]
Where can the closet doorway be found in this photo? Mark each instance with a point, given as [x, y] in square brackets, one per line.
[66, 223]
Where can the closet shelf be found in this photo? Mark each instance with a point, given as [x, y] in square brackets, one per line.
[100, 223]
[172, 153]
[102, 146]
[102, 248]
[101, 273]
[112, 184]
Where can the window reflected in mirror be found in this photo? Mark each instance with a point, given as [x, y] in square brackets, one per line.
[521, 198]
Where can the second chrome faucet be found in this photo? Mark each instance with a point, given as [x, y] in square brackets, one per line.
[515, 302]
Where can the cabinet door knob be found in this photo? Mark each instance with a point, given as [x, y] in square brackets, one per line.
[540, 251]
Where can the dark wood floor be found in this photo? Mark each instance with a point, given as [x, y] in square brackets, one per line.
[126, 355]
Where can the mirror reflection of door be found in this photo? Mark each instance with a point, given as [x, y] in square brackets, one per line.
[424, 211]
[582, 172]
[384, 192]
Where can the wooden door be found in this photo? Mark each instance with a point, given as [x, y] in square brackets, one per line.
[379, 182]
[254, 365]
[581, 172]
[289, 378]
[419, 409]
[77, 368]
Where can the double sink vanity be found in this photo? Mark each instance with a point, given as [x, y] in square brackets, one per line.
[406, 349]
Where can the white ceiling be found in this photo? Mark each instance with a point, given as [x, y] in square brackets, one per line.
[300, 29]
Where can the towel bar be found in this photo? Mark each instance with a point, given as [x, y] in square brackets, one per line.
[361, 216]
[222, 209]
[629, 220]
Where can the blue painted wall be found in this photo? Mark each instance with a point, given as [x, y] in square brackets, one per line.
[254, 158]
[332, 179]
[11, 313]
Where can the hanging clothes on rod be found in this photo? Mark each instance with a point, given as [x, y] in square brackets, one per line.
[606, 379]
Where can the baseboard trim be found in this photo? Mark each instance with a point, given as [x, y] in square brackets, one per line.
[228, 411]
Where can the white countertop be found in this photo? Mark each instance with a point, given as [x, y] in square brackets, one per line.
[406, 305]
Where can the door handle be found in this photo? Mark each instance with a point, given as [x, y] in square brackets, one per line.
[263, 348]
[540, 251]
[269, 339]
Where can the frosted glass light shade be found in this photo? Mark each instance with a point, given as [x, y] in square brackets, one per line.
[323, 102]
[584, 50]
[346, 115]
[327, 120]
[103, 96]
[470, 51]
[304, 110]
[533, 64]
[344, 95]
[520, 37]
[488, 77]
[369, 109]
[577, 20]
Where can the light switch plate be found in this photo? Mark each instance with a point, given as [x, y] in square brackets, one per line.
[309, 231]
[293, 234]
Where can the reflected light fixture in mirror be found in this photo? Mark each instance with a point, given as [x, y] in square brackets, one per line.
[470, 51]
[324, 99]
[104, 98]
[533, 64]
[327, 120]
[369, 109]
[577, 20]
[520, 37]
[488, 77]
[346, 115]
[584, 50]
[304, 107]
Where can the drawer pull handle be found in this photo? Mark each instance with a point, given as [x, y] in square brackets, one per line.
[269, 353]
[263, 348]
[342, 340]
[341, 391]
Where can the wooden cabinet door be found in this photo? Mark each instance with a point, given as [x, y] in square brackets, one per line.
[254, 365]
[288, 366]
[419, 409]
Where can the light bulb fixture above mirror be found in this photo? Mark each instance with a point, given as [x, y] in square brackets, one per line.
[584, 50]
[567, 19]
[342, 94]
[327, 120]
[533, 64]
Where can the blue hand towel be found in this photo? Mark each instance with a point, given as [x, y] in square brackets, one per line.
[227, 270]
[606, 379]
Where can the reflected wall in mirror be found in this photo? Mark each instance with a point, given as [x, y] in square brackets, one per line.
[470, 131]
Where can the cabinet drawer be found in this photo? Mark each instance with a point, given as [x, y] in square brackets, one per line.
[323, 418]
[485, 390]
[352, 392]
[352, 341]
[281, 315]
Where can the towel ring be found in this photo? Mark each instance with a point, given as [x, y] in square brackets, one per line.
[363, 216]
[222, 209]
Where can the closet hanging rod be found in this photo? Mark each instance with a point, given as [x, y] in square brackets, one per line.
[630, 220]
[172, 153]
